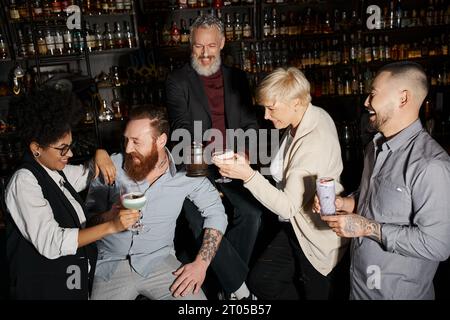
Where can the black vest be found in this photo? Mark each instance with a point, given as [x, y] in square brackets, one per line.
[33, 276]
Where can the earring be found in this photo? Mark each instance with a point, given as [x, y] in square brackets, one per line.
[36, 154]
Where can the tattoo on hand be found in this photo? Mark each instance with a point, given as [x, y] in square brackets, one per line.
[357, 226]
[211, 240]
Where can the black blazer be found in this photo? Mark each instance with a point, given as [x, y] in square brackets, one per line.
[187, 101]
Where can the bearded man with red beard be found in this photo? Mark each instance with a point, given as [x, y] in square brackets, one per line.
[144, 262]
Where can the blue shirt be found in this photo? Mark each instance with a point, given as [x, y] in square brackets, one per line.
[406, 189]
[165, 199]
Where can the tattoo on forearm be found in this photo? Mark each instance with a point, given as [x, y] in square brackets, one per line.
[373, 230]
[211, 241]
[356, 226]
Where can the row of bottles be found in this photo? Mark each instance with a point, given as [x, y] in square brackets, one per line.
[151, 5]
[65, 41]
[267, 55]
[292, 23]
[18, 9]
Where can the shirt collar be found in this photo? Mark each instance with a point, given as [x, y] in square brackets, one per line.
[400, 138]
[172, 168]
[54, 175]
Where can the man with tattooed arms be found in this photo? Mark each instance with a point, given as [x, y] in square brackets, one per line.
[144, 263]
[400, 216]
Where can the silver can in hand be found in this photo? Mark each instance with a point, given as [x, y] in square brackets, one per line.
[327, 195]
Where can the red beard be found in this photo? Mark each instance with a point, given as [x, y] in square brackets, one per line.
[139, 172]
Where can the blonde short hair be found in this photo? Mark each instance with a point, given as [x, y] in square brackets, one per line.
[284, 85]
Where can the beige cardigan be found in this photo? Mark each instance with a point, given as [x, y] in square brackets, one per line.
[314, 152]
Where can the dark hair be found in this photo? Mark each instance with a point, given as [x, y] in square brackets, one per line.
[157, 116]
[44, 115]
[407, 69]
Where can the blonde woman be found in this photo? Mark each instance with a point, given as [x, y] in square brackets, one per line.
[300, 259]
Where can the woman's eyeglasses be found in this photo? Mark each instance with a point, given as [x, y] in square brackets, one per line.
[64, 149]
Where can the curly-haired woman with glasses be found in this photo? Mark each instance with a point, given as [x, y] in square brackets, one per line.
[51, 252]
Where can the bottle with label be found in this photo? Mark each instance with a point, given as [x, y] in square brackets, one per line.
[229, 30]
[105, 113]
[13, 10]
[59, 42]
[108, 38]
[175, 35]
[130, 39]
[31, 51]
[21, 45]
[98, 37]
[37, 9]
[119, 41]
[68, 41]
[184, 32]
[42, 46]
[238, 30]
[91, 41]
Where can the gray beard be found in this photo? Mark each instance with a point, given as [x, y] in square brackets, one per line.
[208, 71]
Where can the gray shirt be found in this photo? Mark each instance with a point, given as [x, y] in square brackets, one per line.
[165, 199]
[406, 189]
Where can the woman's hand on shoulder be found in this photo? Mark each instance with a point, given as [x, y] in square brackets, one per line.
[104, 164]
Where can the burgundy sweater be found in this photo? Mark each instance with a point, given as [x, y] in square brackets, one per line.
[214, 91]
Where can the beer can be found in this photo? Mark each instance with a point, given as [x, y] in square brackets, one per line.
[327, 195]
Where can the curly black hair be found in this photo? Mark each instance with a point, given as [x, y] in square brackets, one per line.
[45, 115]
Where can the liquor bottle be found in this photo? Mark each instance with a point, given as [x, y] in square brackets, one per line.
[111, 6]
[345, 59]
[91, 41]
[88, 7]
[13, 10]
[274, 24]
[98, 38]
[283, 25]
[78, 41]
[3, 48]
[237, 27]
[120, 7]
[108, 38]
[292, 25]
[184, 32]
[105, 6]
[128, 5]
[175, 35]
[31, 51]
[66, 4]
[182, 4]
[68, 41]
[266, 27]
[56, 8]
[22, 6]
[105, 113]
[21, 46]
[116, 105]
[130, 39]
[192, 3]
[119, 41]
[47, 8]
[398, 14]
[59, 42]
[37, 9]
[42, 46]
[247, 29]
[229, 30]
